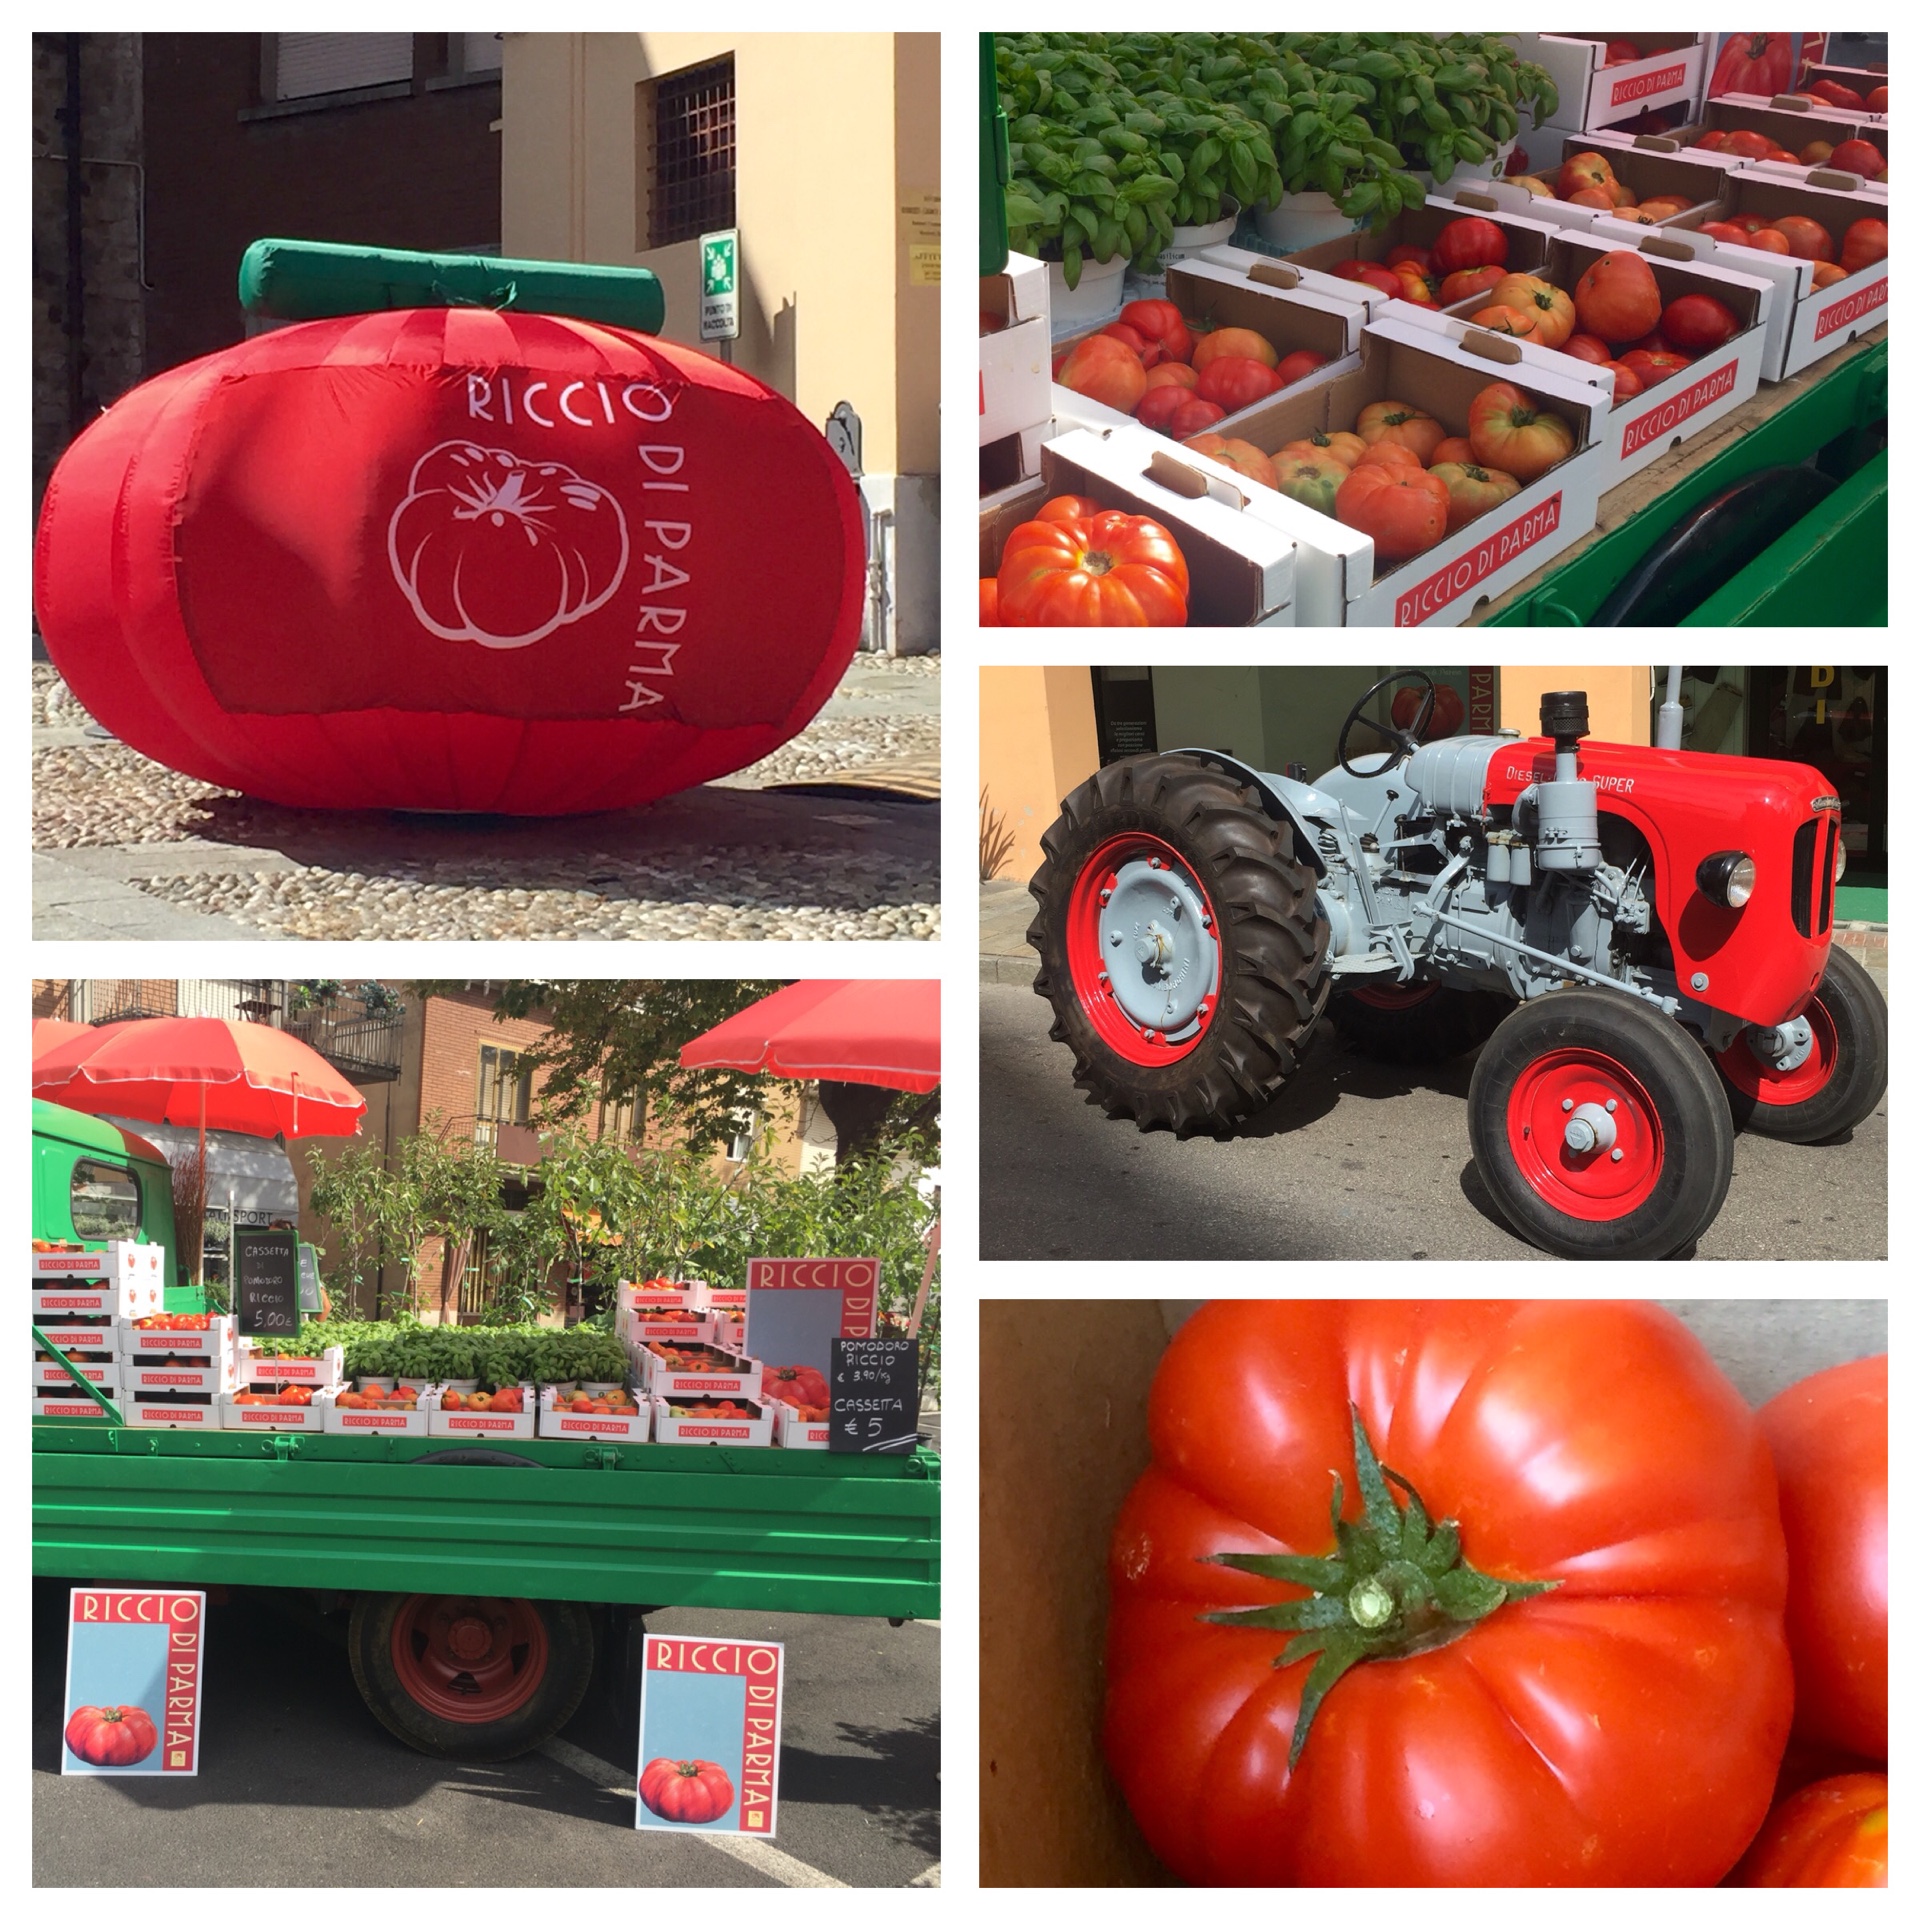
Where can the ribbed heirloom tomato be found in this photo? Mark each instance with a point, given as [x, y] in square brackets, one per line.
[1403, 510]
[1511, 433]
[1547, 1644]
[691, 1791]
[1830, 1834]
[111, 1736]
[1113, 570]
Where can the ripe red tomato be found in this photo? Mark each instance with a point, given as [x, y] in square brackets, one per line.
[1748, 144]
[1651, 368]
[1444, 721]
[1235, 343]
[1106, 370]
[1403, 425]
[1768, 240]
[1829, 1441]
[1369, 273]
[1171, 373]
[1712, 141]
[1402, 509]
[1415, 287]
[1837, 93]
[1627, 384]
[1619, 52]
[1615, 1716]
[1469, 242]
[1806, 239]
[1858, 156]
[1234, 381]
[1724, 232]
[1617, 297]
[1510, 432]
[111, 1736]
[1158, 405]
[1114, 570]
[1241, 455]
[1830, 1834]
[1467, 282]
[691, 1792]
[1063, 506]
[1421, 257]
[1298, 364]
[1471, 491]
[1754, 63]
[1455, 448]
[1196, 416]
[1585, 173]
[1149, 352]
[1160, 320]
[1877, 100]
[1697, 322]
[1865, 243]
[1589, 347]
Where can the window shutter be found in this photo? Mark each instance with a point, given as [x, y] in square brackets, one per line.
[311, 63]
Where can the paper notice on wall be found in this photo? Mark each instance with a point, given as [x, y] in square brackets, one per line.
[920, 235]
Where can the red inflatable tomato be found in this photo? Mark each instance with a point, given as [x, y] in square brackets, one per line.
[452, 559]
[111, 1736]
[1829, 1441]
[1547, 1647]
[690, 1791]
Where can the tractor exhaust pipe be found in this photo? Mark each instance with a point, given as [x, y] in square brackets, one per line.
[1666, 731]
[1567, 829]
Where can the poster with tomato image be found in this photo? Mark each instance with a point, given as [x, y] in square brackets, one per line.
[797, 1309]
[709, 1736]
[133, 1682]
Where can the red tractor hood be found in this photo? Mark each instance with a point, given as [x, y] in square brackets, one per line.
[1758, 963]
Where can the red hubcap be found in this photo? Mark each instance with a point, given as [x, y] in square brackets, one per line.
[1771, 1088]
[469, 1658]
[1090, 965]
[1569, 1090]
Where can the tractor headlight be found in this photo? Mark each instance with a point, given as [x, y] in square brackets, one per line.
[1839, 860]
[1726, 878]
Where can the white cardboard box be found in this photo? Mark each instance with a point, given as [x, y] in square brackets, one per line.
[557, 1423]
[1286, 271]
[1240, 566]
[326, 1369]
[690, 1295]
[1416, 361]
[790, 1430]
[1647, 172]
[1527, 237]
[1593, 95]
[660, 1376]
[635, 1325]
[1016, 361]
[129, 1273]
[752, 1428]
[214, 1341]
[387, 1418]
[465, 1424]
[94, 1342]
[50, 1374]
[73, 1307]
[200, 1415]
[277, 1418]
[178, 1373]
[73, 1406]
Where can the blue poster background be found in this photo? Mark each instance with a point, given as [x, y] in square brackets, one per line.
[116, 1665]
[793, 1327]
[694, 1716]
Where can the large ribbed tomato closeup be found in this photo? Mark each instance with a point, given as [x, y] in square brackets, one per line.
[1545, 1646]
[452, 559]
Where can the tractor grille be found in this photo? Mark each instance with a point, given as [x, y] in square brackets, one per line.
[1813, 852]
[1826, 875]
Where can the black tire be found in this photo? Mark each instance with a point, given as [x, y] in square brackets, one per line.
[569, 1648]
[1677, 1156]
[1273, 980]
[1853, 1004]
[1438, 1025]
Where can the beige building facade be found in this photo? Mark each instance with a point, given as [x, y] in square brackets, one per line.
[823, 151]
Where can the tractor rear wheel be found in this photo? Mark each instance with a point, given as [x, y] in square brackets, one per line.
[1415, 1022]
[1179, 943]
[1842, 1078]
[1599, 1128]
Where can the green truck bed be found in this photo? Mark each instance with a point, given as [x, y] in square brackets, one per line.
[644, 1526]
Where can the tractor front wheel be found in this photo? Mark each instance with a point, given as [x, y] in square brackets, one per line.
[1843, 1076]
[1179, 943]
[1599, 1128]
[1415, 1022]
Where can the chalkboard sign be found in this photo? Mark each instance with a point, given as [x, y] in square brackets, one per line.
[266, 1280]
[875, 1386]
[309, 1281]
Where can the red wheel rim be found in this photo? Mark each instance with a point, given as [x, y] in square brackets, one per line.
[469, 1658]
[1593, 1184]
[1397, 996]
[1769, 1088]
[1132, 1038]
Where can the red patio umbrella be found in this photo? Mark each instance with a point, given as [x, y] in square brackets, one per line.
[48, 1034]
[229, 1074]
[882, 1033]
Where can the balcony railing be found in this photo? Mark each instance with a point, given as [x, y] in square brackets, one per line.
[363, 1045]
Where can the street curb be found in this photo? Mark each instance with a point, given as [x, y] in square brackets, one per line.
[1005, 970]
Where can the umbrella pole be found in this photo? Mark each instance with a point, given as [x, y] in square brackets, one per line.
[926, 1282]
[200, 1276]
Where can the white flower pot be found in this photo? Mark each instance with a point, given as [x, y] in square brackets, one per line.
[1186, 242]
[1302, 220]
[1093, 302]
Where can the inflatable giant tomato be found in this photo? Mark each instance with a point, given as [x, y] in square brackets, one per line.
[453, 559]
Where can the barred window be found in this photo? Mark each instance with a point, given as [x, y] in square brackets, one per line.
[690, 188]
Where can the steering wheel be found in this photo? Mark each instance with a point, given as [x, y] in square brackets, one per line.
[1404, 745]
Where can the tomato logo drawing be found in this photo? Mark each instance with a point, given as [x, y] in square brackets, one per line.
[504, 551]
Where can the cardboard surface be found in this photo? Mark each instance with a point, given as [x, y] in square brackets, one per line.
[1014, 362]
[1593, 95]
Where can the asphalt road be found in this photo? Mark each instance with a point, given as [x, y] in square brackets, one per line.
[300, 1786]
[1355, 1160]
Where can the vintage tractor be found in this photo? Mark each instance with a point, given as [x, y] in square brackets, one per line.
[1638, 939]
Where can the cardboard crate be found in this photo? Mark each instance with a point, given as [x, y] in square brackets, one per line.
[76, 1309]
[73, 1405]
[465, 1424]
[634, 1325]
[1286, 271]
[558, 1423]
[1418, 361]
[51, 1375]
[1527, 238]
[1792, 119]
[169, 1373]
[128, 1273]
[658, 1375]
[214, 1341]
[1015, 360]
[1862, 80]
[1014, 463]
[198, 1412]
[88, 1340]
[326, 1369]
[1639, 430]
[277, 1418]
[1672, 73]
[1647, 172]
[386, 1418]
[1804, 323]
[753, 1428]
[1240, 566]
[691, 1295]
[789, 1430]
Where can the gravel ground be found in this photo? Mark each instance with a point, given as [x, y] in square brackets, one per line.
[826, 875]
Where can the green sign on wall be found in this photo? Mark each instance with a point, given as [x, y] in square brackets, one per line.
[720, 285]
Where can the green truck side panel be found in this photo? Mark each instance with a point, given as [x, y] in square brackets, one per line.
[648, 1526]
[316, 280]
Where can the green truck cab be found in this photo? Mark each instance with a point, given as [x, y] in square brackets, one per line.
[481, 1604]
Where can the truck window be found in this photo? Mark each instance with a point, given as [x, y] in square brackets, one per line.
[105, 1200]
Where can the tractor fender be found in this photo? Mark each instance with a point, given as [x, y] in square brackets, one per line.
[1274, 797]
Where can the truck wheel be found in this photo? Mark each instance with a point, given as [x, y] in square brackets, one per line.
[1838, 1084]
[469, 1677]
[1599, 1128]
[1416, 1021]
[1178, 944]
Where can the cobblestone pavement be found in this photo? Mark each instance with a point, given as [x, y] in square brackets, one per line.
[126, 848]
